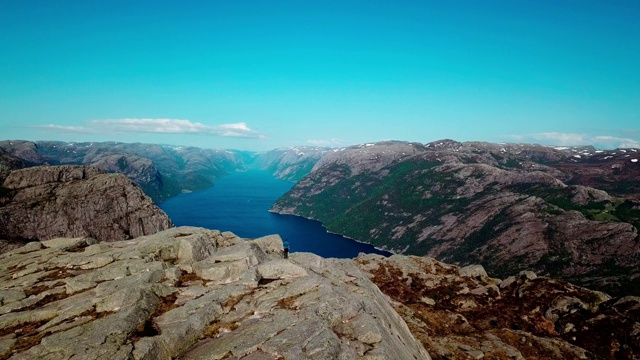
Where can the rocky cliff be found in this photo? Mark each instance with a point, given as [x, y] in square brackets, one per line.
[142, 170]
[40, 203]
[192, 293]
[162, 171]
[510, 207]
[9, 162]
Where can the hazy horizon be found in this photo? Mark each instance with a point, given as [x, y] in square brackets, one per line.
[257, 76]
[313, 146]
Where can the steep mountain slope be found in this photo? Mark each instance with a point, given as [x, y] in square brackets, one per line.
[291, 164]
[27, 151]
[504, 206]
[161, 171]
[41, 203]
[9, 162]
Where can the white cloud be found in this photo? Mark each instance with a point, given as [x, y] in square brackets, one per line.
[552, 138]
[331, 142]
[616, 142]
[160, 126]
[66, 129]
[562, 138]
[570, 139]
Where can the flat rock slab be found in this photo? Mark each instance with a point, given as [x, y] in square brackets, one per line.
[67, 243]
[311, 316]
[191, 293]
[280, 269]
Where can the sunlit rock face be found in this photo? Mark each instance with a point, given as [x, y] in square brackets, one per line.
[291, 164]
[40, 203]
[195, 294]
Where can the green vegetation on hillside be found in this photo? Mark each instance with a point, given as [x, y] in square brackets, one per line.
[491, 213]
[595, 210]
[333, 200]
[359, 206]
[491, 229]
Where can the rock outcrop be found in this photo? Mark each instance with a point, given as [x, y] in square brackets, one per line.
[192, 293]
[509, 207]
[460, 313]
[40, 203]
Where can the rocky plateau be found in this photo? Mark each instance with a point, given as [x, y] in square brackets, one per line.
[192, 293]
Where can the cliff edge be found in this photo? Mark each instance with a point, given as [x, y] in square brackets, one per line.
[192, 293]
[41, 203]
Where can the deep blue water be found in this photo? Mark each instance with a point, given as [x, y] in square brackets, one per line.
[240, 202]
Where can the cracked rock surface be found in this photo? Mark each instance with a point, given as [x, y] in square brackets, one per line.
[192, 293]
[461, 313]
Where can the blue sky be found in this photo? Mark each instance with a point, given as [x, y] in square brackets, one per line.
[263, 74]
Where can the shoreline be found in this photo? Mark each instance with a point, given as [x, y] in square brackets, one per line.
[335, 233]
[239, 190]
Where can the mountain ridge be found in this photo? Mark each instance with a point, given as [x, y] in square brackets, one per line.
[162, 171]
[484, 203]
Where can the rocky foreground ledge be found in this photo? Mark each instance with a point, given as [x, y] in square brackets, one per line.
[193, 293]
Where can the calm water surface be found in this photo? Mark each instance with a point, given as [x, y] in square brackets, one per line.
[240, 202]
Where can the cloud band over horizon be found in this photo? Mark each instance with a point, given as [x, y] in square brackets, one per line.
[572, 139]
[157, 126]
[243, 131]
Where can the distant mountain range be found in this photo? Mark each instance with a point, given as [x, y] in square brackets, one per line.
[568, 212]
[188, 292]
[162, 171]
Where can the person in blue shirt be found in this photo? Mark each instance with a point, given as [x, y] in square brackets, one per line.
[286, 248]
